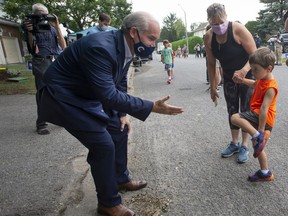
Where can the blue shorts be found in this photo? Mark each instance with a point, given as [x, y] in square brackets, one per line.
[168, 67]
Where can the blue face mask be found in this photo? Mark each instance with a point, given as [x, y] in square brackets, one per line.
[141, 49]
[104, 28]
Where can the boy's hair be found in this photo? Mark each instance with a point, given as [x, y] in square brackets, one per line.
[263, 57]
[165, 42]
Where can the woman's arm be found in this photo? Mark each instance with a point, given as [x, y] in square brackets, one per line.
[211, 65]
[243, 37]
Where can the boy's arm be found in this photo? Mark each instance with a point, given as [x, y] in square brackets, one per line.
[249, 82]
[172, 56]
[162, 58]
[267, 100]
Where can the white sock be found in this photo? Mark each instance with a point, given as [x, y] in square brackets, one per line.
[265, 171]
[256, 134]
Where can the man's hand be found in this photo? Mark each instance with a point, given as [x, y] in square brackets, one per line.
[29, 27]
[55, 23]
[124, 120]
[161, 107]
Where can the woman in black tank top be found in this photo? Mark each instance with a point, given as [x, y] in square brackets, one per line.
[231, 43]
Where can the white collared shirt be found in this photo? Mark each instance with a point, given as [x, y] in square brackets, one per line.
[128, 54]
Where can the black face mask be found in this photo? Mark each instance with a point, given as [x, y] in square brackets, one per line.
[141, 49]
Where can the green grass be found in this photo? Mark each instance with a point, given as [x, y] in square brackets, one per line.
[23, 87]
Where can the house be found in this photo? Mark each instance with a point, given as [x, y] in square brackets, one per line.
[11, 42]
[11, 46]
[200, 30]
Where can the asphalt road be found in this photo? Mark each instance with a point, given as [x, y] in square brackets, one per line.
[179, 156]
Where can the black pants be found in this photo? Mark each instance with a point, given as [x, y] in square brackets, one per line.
[39, 66]
[237, 97]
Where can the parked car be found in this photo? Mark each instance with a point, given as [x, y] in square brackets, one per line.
[271, 43]
[159, 47]
[137, 62]
[284, 38]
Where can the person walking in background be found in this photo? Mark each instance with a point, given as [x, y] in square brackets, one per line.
[259, 121]
[231, 43]
[104, 22]
[85, 92]
[45, 46]
[167, 59]
[173, 61]
[185, 51]
[285, 17]
[278, 49]
[258, 40]
[178, 52]
[271, 44]
[197, 50]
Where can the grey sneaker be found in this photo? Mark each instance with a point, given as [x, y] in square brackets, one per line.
[230, 150]
[243, 154]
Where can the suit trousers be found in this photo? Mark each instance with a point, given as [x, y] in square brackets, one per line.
[107, 158]
[39, 66]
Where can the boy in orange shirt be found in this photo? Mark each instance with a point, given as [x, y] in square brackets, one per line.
[259, 121]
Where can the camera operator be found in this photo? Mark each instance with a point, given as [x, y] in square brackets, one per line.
[45, 42]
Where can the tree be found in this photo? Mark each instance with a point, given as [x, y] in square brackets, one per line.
[180, 29]
[270, 20]
[79, 14]
[169, 31]
[193, 26]
[252, 26]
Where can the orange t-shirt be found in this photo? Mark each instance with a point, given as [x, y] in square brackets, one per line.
[257, 99]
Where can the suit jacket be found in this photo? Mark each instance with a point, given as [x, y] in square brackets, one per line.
[87, 78]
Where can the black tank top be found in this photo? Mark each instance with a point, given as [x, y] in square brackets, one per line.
[231, 55]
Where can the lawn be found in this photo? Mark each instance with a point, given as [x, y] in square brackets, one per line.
[26, 86]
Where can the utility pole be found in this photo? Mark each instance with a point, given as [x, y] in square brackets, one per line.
[185, 26]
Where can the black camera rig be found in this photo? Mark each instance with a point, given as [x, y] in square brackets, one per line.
[40, 22]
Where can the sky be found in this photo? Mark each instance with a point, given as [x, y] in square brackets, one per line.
[196, 10]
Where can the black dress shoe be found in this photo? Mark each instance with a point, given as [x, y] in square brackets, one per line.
[133, 185]
[43, 131]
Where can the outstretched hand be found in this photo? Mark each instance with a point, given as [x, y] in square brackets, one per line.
[161, 107]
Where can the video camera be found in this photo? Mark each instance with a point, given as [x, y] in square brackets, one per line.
[40, 22]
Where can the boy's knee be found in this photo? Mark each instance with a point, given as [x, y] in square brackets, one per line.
[234, 117]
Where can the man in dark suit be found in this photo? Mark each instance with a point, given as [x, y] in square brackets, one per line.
[86, 93]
